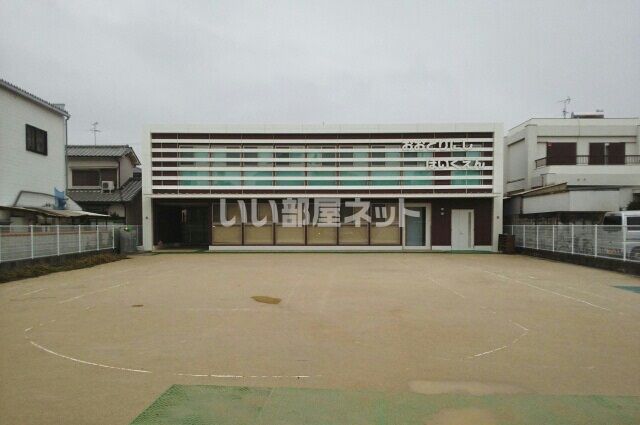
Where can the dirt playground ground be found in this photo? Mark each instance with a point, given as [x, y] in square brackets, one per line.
[100, 345]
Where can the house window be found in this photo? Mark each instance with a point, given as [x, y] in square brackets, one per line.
[36, 140]
[86, 177]
[606, 153]
[94, 177]
[561, 153]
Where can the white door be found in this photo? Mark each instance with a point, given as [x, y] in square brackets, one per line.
[461, 229]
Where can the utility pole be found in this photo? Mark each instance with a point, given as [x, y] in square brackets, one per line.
[95, 131]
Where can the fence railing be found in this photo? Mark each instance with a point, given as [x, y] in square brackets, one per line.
[617, 242]
[20, 242]
[588, 160]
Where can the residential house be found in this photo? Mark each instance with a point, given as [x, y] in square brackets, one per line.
[33, 135]
[105, 179]
[571, 170]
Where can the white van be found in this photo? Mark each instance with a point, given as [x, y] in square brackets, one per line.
[631, 236]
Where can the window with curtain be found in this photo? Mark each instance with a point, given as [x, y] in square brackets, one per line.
[226, 178]
[295, 182]
[321, 182]
[194, 182]
[354, 182]
[466, 173]
[385, 178]
[266, 178]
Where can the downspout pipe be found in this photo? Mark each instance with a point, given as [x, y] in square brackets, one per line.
[66, 158]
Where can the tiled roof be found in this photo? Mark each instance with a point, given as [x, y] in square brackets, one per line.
[102, 150]
[32, 97]
[126, 193]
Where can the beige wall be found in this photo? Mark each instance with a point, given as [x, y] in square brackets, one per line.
[126, 169]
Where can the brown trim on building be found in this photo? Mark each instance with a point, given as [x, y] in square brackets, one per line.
[284, 136]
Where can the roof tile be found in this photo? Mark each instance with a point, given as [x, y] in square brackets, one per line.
[126, 193]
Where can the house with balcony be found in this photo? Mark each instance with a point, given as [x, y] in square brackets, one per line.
[105, 179]
[571, 170]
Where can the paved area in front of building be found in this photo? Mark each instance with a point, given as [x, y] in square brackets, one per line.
[453, 338]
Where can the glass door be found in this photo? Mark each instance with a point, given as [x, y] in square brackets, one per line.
[415, 227]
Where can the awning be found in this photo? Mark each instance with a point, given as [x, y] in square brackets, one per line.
[54, 213]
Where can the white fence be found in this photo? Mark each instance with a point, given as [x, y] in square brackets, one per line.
[26, 242]
[617, 242]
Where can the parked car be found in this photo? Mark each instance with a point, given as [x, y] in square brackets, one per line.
[628, 234]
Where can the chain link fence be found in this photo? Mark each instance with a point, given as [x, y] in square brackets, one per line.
[617, 242]
[18, 242]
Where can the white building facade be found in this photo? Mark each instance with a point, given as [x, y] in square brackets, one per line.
[33, 134]
[209, 185]
[571, 170]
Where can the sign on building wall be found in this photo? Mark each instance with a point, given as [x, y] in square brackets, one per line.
[455, 145]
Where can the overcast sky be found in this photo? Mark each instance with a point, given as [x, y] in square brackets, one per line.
[128, 64]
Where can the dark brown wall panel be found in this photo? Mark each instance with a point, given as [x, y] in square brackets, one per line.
[441, 219]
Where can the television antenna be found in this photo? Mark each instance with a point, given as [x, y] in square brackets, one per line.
[95, 131]
[565, 103]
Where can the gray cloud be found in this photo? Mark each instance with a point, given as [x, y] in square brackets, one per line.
[129, 64]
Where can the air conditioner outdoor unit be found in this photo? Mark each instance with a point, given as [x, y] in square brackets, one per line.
[107, 186]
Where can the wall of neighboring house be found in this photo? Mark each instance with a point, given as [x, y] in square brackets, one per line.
[573, 201]
[126, 169]
[21, 169]
[134, 210]
[515, 168]
[123, 164]
[89, 163]
[117, 209]
[528, 142]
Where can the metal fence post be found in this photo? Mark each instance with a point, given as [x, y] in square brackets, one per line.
[553, 238]
[624, 243]
[97, 237]
[113, 237]
[524, 235]
[537, 239]
[58, 239]
[595, 240]
[0, 244]
[572, 240]
[79, 238]
[32, 247]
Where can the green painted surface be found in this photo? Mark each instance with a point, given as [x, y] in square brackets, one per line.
[635, 289]
[210, 404]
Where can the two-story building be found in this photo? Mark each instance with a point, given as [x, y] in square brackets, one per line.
[105, 179]
[571, 170]
[33, 136]
[340, 187]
